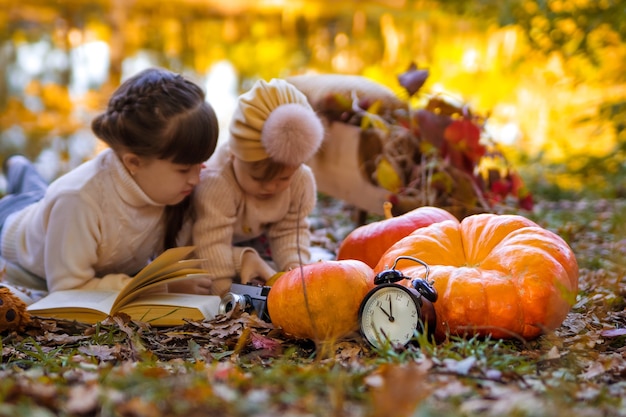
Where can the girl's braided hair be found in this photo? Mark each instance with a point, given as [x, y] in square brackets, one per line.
[160, 114]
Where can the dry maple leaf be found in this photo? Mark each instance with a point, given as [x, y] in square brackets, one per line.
[102, 352]
[397, 389]
[82, 399]
[263, 342]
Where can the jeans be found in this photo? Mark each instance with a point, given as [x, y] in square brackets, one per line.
[24, 187]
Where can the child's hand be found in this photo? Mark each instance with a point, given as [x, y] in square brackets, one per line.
[254, 267]
[200, 285]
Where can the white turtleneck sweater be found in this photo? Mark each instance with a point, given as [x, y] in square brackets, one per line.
[225, 215]
[93, 229]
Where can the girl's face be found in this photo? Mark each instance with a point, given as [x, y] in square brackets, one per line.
[163, 181]
[251, 180]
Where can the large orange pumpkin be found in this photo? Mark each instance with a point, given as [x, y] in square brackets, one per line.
[501, 275]
[368, 242]
[321, 301]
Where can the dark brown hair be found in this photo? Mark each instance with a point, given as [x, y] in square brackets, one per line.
[160, 114]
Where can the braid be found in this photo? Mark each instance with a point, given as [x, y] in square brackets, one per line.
[121, 104]
[160, 114]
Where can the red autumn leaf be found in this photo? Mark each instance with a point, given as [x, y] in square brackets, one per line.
[225, 372]
[263, 342]
[464, 136]
[458, 158]
[519, 190]
[501, 187]
[432, 126]
[526, 202]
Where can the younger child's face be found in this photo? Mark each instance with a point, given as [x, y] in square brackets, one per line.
[166, 182]
[252, 182]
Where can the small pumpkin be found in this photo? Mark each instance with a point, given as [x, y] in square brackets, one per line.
[501, 275]
[367, 243]
[320, 301]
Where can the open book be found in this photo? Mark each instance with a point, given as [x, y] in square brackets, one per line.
[140, 298]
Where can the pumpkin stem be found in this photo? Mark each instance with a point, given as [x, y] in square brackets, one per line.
[387, 209]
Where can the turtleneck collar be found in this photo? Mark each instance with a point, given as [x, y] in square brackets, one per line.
[125, 185]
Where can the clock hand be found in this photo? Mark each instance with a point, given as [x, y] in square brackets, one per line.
[390, 310]
[389, 316]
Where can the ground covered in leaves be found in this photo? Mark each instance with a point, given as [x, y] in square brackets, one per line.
[238, 365]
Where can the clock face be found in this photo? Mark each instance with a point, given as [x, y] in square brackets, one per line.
[389, 312]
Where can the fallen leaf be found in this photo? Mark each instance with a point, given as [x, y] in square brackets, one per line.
[613, 332]
[262, 342]
[461, 367]
[82, 399]
[102, 352]
[552, 354]
[594, 370]
[397, 389]
[138, 407]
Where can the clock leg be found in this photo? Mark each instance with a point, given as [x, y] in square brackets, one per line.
[429, 317]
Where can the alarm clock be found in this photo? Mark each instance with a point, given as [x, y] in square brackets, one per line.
[392, 313]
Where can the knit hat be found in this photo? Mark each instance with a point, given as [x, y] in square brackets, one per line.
[275, 120]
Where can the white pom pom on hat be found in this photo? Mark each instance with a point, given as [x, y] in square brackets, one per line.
[292, 134]
[275, 120]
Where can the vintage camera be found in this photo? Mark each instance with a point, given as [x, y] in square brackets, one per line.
[250, 298]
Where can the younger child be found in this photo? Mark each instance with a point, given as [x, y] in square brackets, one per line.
[102, 222]
[256, 188]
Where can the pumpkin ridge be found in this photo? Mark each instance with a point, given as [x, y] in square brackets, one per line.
[484, 231]
[311, 315]
[536, 242]
[497, 308]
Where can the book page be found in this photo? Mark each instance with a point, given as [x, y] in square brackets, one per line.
[168, 260]
[186, 266]
[99, 300]
[168, 257]
[126, 297]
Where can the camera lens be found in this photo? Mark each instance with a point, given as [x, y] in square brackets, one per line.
[230, 300]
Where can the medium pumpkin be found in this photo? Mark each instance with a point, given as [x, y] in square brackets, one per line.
[368, 242]
[501, 275]
[320, 301]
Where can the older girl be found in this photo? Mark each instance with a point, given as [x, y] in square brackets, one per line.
[99, 224]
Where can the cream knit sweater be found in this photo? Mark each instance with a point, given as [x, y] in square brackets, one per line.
[225, 216]
[94, 228]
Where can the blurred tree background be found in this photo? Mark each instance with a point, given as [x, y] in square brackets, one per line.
[549, 74]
